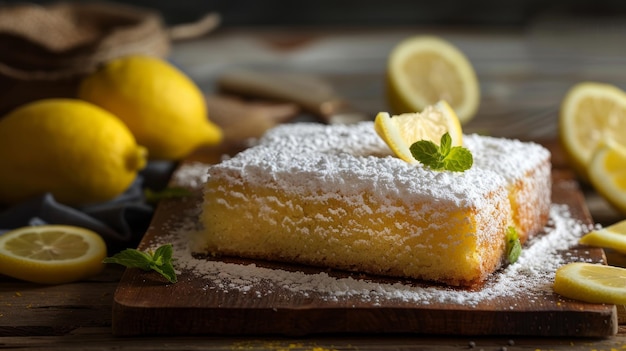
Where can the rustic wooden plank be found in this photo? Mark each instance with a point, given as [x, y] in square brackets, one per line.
[198, 306]
[32, 309]
[101, 339]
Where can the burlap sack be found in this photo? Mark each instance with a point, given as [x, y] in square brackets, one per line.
[46, 50]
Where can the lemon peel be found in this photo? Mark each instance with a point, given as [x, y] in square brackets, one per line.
[86, 154]
[161, 105]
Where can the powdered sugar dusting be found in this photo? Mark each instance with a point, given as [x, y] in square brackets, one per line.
[350, 165]
[531, 276]
[192, 174]
[332, 156]
[320, 159]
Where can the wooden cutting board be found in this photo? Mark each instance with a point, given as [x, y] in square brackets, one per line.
[144, 304]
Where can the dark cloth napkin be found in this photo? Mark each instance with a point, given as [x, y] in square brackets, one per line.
[121, 222]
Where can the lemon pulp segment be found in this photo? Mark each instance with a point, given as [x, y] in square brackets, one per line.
[51, 254]
[401, 131]
[425, 69]
[592, 115]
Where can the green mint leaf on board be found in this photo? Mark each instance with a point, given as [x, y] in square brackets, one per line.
[443, 157]
[166, 270]
[159, 261]
[163, 255]
[513, 245]
[167, 193]
[131, 258]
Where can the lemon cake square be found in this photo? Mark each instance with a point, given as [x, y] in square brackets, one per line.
[335, 197]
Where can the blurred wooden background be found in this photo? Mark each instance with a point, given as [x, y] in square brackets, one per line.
[371, 12]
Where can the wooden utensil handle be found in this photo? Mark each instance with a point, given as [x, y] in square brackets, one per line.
[309, 92]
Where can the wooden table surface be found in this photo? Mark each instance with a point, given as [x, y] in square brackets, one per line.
[524, 73]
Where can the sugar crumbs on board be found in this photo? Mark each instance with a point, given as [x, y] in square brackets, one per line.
[530, 277]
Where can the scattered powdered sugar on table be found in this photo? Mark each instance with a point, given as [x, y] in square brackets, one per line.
[531, 277]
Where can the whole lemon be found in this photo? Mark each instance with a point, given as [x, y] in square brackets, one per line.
[161, 106]
[71, 148]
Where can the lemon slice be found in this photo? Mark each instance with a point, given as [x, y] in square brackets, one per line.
[589, 282]
[591, 114]
[425, 69]
[611, 237]
[607, 174]
[51, 254]
[400, 132]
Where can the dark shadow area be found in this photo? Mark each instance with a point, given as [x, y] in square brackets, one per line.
[491, 13]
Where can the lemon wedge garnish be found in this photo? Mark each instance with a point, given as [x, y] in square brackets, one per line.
[422, 70]
[611, 237]
[51, 254]
[400, 132]
[592, 114]
[593, 283]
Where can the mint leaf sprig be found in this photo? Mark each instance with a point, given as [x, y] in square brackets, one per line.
[513, 245]
[442, 157]
[160, 260]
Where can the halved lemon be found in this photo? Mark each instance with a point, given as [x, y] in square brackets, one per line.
[51, 254]
[590, 282]
[611, 237]
[400, 132]
[607, 174]
[591, 114]
[425, 69]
